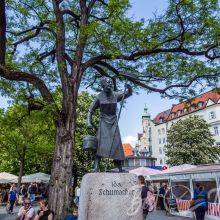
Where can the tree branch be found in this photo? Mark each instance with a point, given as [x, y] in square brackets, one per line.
[136, 81]
[2, 32]
[76, 18]
[37, 32]
[46, 54]
[60, 53]
[140, 54]
[20, 76]
[90, 5]
[181, 23]
[71, 13]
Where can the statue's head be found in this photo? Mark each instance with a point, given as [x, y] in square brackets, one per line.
[107, 84]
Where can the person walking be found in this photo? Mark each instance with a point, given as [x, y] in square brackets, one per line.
[200, 203]
[162, 192]
[12, 197]
[144, 192]
[32, 191]
[23, 192]
[44, 213]
[26, 212]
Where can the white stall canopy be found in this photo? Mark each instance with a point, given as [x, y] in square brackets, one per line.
[7, 178]
[36, 178]
[145, 171]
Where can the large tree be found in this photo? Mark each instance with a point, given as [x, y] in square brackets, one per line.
[190, 141]
[69, 43]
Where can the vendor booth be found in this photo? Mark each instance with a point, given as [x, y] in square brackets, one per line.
[182, 185]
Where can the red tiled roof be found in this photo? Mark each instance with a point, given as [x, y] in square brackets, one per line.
[128, 150]
[213, 95]
[163, 115]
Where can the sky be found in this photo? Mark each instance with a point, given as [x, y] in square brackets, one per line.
[130, 120]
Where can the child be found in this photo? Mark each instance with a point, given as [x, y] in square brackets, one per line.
[74, 215]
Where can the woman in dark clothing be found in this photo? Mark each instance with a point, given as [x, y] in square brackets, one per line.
[44, 213]
[201, 203]
[144, 192]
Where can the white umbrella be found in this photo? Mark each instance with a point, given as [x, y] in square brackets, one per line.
[7, 177]
[36, 177]
[179, 168]
[145, 171]
[2, 181]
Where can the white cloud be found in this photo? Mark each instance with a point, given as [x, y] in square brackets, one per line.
[130, 139]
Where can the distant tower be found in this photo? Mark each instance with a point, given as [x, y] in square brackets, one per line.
[145, 138]
[145, 119]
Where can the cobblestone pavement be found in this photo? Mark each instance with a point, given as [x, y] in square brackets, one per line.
[157, 215]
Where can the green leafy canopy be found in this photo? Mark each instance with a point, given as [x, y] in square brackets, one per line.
[190, 141]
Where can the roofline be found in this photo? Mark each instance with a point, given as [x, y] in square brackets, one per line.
[188, 113]
[199, 95]
[189, 171]
[217, 88]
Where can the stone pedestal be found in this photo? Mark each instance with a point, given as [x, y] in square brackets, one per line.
[110, 196]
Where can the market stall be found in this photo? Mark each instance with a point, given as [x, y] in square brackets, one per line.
[182, 184]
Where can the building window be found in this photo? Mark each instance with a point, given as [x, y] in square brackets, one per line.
[159, 140]
[160, 150]
[200, 104]
[163, 131]
[161, 162]
[159, 132]
[164, 140]
[216, 130]
[212, 115]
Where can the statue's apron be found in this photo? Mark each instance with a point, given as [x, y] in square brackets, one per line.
[108, 135]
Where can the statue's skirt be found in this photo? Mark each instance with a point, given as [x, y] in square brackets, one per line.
[109, 139]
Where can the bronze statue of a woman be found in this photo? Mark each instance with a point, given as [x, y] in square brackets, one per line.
[108, 135]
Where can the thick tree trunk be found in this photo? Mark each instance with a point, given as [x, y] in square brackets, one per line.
[61, 175]
[21, 169]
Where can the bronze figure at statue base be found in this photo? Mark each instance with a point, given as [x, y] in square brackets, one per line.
[107, 143]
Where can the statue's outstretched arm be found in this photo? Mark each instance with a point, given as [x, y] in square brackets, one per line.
[128, 93]
[92, 108]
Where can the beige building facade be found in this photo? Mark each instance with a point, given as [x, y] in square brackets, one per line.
[154, 136]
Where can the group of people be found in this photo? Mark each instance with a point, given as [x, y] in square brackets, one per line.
[151, 198]
[27, 212]
[25, 191]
